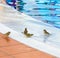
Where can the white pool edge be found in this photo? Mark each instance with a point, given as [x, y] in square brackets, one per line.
[31, 42]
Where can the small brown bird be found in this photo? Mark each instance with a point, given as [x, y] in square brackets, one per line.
[46, 35]
[46, 32]
[25, 31]
[28, 35]
[6, 36]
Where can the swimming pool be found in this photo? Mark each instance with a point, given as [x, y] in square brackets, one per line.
[46, 13]
[41, 11]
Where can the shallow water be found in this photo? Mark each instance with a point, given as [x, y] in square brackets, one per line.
[40, 11]
[46, 13]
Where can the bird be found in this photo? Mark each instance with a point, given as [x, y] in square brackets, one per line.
[6, 36]
[46, 32]
[25, 31]
[46, 35]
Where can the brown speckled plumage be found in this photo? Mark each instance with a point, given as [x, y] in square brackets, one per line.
[26, 33]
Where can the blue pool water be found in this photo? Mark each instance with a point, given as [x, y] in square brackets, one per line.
[40, 11]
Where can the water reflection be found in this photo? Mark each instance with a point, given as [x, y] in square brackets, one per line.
[20, 5]
[47, 2]
[48, 12]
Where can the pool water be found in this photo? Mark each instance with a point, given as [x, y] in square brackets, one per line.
[43, 12]
[40, 11]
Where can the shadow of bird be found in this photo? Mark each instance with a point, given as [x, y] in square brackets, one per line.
[28, 35]
[7, 36]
